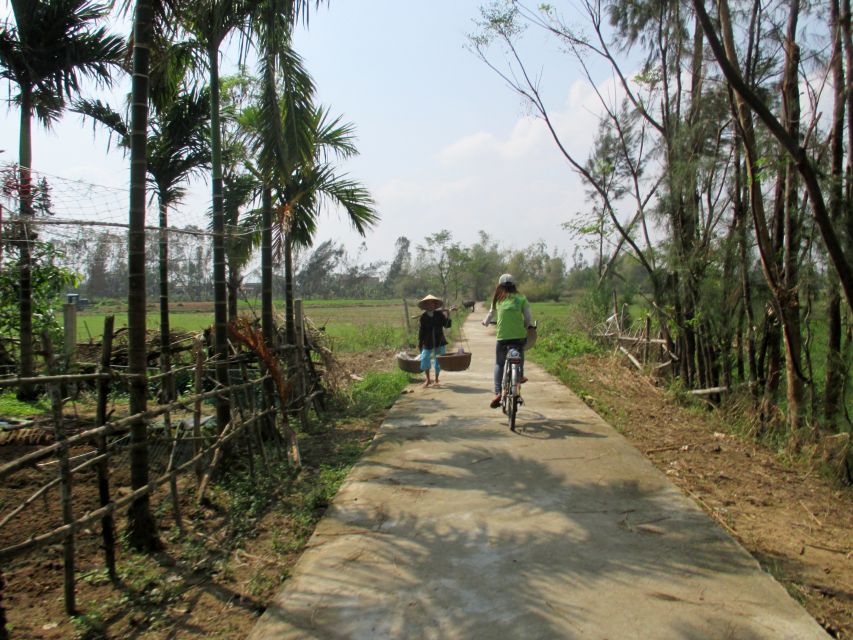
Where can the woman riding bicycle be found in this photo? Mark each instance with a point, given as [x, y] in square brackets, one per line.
[512, 312]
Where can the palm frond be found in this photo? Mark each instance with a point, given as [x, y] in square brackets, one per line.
[355, 200]
[171, 65]
[334, 136]
[101, 113]
[53, 46]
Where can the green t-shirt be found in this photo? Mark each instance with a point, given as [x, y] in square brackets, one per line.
[510, 317]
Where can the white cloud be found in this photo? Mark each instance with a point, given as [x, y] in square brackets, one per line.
[515, 185]
[468, 147]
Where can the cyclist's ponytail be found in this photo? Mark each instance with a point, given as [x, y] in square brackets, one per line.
[501, 292]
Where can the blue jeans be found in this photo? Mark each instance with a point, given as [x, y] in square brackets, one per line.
[501, 348]
[430, 354]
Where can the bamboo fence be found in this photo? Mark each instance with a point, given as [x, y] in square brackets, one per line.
[263, 395]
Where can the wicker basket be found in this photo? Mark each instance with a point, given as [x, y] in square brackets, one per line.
[454, 361]
[531, 338]
[408, 362]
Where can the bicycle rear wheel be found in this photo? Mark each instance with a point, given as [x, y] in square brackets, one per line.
[513, 409]
[512, 398]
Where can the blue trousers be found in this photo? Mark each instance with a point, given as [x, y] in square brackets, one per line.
[430, 354]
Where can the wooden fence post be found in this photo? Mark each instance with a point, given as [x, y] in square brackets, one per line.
[302, 386]
[406, 316]
[64, 479]
[173, 479]
[256, 429]
[198, 351]
[4, 634]
[246, 435]
[107, 526]
[648, 335]
[69, 316]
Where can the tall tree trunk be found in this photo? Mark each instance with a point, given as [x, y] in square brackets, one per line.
[789, 297]
[748, 101]
[26, 392]
[289, 324]
[848, 56]
[142, 529]
[730, 321]
[772, 356]
[266, 268]
[167, 392]
[739, 359]
[778, 280]
[220, 301]
[233, 292]
[834, 360]
[743, 252]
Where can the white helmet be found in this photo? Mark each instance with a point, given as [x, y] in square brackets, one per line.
[506, 279]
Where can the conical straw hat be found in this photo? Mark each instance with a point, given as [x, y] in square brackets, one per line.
[430, 298]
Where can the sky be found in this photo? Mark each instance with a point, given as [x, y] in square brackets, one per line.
[443, 142]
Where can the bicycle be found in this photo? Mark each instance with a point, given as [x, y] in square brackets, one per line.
[511, 376]
[511, 385]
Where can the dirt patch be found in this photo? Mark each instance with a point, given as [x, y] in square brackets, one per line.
[791, 518]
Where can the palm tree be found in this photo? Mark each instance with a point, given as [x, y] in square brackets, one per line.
[50, 49]
[240, 182]
[142, 528]
[312, 185]
[239, 190]
[273, 23]
[209, 23]
[300, 169]
[295, 140]
[176, 149]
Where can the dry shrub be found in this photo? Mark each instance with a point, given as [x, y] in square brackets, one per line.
[837, 453]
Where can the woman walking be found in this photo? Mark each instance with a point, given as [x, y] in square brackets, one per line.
[431, 341]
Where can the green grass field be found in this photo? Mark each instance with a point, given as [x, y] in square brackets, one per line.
[90, 326]
[353, 325]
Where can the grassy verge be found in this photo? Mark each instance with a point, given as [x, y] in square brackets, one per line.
[11, 407]
[560, 339]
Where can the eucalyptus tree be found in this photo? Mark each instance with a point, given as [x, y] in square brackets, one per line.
[52, 46]
[750, 102]
[738, 172]
[779, 230]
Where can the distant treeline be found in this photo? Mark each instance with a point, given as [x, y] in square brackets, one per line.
[440, 265]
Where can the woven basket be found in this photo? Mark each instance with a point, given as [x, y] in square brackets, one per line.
[531, 338]
[408, 363]
[454, 361]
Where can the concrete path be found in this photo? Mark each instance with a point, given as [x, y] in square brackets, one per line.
[451, 526]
